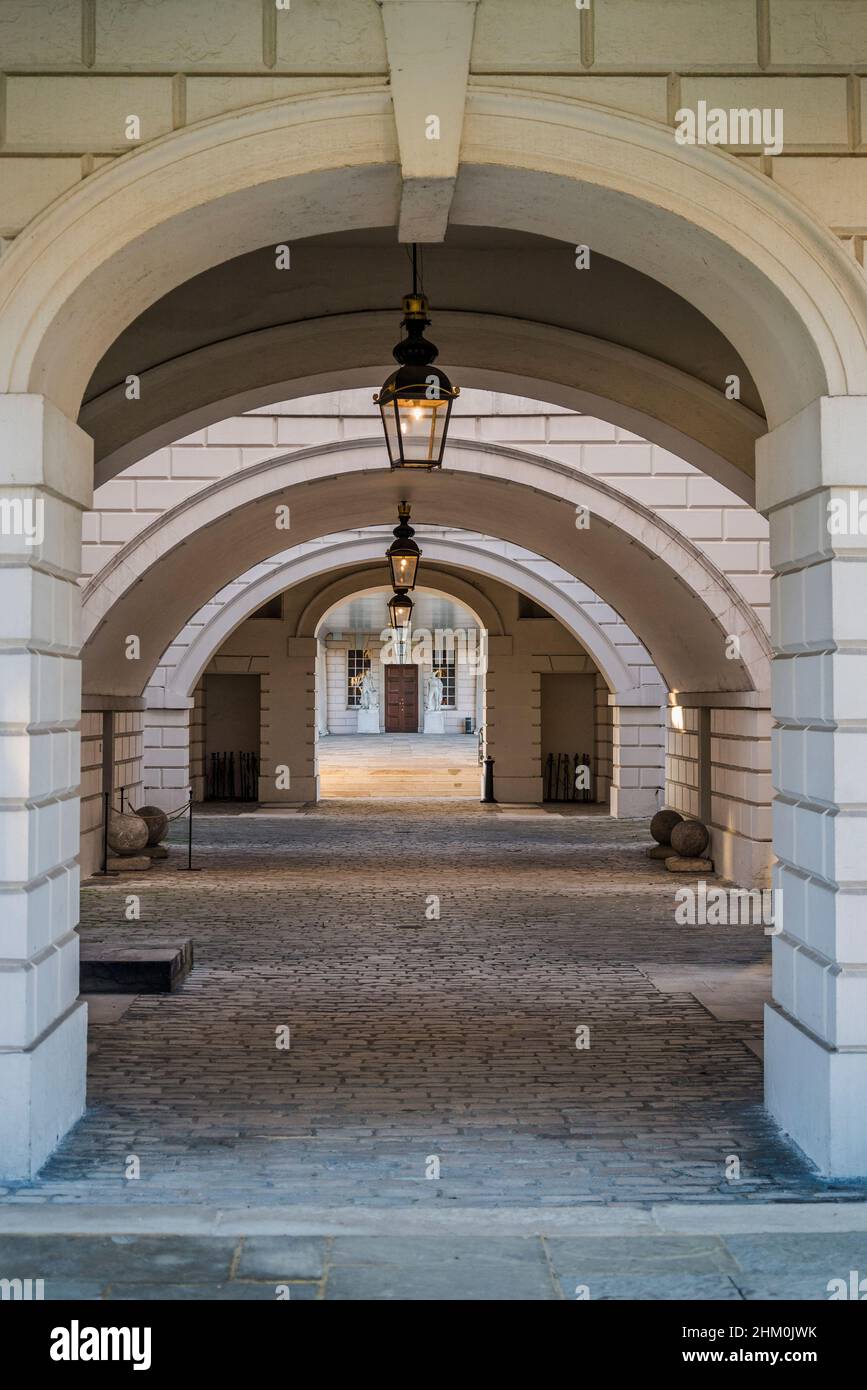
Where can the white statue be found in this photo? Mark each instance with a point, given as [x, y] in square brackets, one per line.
[435, 693]
[369, 698]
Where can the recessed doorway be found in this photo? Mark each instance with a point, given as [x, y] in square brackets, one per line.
[401, 699]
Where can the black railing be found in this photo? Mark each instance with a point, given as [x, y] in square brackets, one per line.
[566, 779]
[232, 777]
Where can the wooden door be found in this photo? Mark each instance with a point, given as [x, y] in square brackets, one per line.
[401, 699]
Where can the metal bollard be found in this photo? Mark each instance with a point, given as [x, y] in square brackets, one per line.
[488, 780]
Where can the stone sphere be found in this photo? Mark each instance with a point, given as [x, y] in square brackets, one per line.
[662, 825]
[127, 833]
[689, 839]
[156, 821]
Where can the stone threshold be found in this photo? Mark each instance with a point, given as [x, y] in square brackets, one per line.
[826, 1215]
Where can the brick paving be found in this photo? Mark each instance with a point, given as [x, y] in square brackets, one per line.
[414, 1038]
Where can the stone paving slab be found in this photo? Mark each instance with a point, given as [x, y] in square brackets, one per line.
[106, 1008]
[464, 1282]
[237, 1291]
[782, 1287]
[589, 1255]
[122, 1259]
[282, 1257]
[833, 1255]
[433, 1268]
[675, 1288]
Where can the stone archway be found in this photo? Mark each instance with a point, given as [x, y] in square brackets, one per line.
[635, 692]
[326, 560]
[635, 561]
[750, 258]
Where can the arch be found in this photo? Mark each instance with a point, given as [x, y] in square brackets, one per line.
[351, 557]
[483, 609]
[571, 369]
[751, 258]
[638, 563]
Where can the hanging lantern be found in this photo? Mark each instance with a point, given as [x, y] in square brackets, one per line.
[400, 610]
[416, 401]
[403, 554]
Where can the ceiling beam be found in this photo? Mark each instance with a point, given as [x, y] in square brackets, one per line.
[428, 43]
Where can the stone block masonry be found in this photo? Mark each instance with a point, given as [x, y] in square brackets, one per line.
[189, 61]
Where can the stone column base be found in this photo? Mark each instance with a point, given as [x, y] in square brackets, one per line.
[522, 791]
[634, 801]
[43, 1089]
[816, 1094]
[301, 790]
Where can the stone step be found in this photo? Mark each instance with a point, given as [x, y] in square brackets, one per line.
[354, 789]
[146, 968]
[400, 774]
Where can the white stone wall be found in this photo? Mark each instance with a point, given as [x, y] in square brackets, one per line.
[92, 788]
[604, 745]
[343, 719]
[736, 801]
[731, 533]
[128, 775]
[76, 70]
[167, 758]
[637, 760]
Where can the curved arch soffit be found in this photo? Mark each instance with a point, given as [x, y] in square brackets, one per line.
[596, 642]
[664, 588]
[457, 587]
[487, 351]
[751, 258]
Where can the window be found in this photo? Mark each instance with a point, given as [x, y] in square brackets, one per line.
[444, 663]
[356, 664]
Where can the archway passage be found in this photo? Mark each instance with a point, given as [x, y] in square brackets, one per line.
[756, 266]
[398, 711]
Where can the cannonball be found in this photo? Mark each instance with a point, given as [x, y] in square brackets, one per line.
[662, 825]
[156, 821]
[127, 833]
[689, 839]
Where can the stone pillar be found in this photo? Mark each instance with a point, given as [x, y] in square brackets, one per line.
[167, 769]
[811, 482]
[718, 770]
[289, 731]
[46, 486]
[740, 818]
[513, 724]
[637, 758]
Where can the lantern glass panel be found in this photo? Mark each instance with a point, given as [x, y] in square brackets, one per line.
[403, 566]
[400, 608]
[391, 425]
[422, 427]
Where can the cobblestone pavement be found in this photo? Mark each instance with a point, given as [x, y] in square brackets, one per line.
[415, 1039]
[265, 1268]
